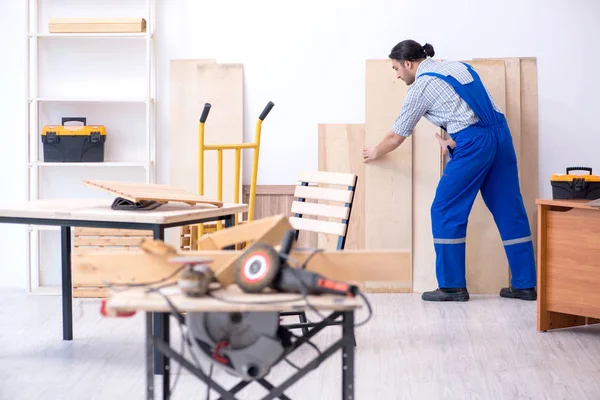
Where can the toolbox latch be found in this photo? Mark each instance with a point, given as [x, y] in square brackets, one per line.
[95, 137]
[51, 138]
[579, 184]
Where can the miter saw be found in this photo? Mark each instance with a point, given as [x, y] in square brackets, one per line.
[248, 344]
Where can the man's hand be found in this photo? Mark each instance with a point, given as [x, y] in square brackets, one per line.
[390, 142]
[444, 143]
[370, 154]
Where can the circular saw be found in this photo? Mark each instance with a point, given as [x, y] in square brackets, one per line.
[246, 344]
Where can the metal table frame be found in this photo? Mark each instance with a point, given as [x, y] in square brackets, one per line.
[155, 343]
[160, 320]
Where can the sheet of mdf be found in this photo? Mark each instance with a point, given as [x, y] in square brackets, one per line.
[340, 150]
[487, 266]
[522, 116]
[388, 180]
[194, 83]
[427, 170]
[529, 162]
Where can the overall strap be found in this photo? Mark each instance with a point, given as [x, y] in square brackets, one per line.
[475, 95]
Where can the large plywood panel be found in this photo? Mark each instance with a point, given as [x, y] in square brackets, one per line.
[388, 181]
[487, 265]
[340, 150]
[194, 83]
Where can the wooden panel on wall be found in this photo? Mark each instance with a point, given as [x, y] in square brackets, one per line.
[340, 150]
[277, 199]
[388, 181]
[487, 266]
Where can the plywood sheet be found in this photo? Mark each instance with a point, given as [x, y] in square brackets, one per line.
[427, 159]
[388, 181]
[529, 161]
[340, 150]
[487, 265]
[137, 192]
[194, 83]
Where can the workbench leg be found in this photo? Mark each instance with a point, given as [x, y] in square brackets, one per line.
[162, 331]
[67, 282]
[149, 358]
[348, 356]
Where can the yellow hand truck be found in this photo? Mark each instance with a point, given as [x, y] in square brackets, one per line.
[196, 231]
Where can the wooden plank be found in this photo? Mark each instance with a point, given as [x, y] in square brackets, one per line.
[320, 193]
[107, 241]
[327, 177]
[372, 270]
[320, 210]
[529, 165]
[230, 300]
[314, 225]
[97, 25]
[137, 192]
[194, 83]
[487, 266]
[185, 110]
[340, 149]
[79, 231]
[222, 85]
[427, 171]
[388, 181]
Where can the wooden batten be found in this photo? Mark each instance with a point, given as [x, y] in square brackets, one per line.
[97, 25]
[372, 271]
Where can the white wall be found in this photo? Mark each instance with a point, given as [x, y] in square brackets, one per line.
[308, 58]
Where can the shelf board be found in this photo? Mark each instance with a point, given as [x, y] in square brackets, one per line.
[99, 35]
[135, 164]
[91, 99]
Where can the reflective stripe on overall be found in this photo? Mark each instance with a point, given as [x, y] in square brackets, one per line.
[484, 159]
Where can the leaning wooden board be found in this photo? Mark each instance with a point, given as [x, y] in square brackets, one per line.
[427, 170]
[487, 266]
[340, 150]
[388, 181]
[194, 83]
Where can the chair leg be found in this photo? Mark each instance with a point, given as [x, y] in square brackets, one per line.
[303, 320]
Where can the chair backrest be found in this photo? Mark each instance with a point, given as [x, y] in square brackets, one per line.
[336, 191]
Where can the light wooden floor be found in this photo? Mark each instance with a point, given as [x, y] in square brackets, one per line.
[487, 348]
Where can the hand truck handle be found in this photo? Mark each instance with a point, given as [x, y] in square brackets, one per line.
[205, 113]
[266, 111]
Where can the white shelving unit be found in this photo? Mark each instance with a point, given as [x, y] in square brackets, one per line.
[129, 106]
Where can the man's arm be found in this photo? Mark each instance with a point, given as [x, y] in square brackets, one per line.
[414, 107]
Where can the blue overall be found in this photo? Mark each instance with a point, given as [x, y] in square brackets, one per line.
[484, 159]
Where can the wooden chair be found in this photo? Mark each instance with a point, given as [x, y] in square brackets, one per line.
[328, 196]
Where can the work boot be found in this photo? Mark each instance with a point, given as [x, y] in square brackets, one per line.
[446, 294]
[523, 294]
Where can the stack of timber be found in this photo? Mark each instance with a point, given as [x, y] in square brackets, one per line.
[394, 194]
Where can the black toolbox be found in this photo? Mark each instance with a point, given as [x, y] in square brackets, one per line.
[570, 186]
[73, 143]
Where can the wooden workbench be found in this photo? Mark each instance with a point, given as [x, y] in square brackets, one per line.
[233, 299]
[568, 264]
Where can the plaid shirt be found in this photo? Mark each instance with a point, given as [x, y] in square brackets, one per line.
[436, 100]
